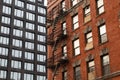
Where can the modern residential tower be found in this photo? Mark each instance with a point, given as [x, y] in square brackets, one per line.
[22, 40]
[83, 39]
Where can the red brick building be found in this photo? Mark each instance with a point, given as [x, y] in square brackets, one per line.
[83, 40]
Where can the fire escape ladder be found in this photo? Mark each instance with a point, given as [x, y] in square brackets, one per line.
[56, 69]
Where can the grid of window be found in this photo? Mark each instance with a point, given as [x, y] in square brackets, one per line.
[5, 30]
[64, 29]
[3, 74]
[41, 48]
[30, 26]
[28, 66]
[32, 0]
[41, 68]
[100, 6]
[7, 1]
[105, 64]
[17, 32]
[5, 20]
[77, 73]
[15, 76]
[16, 53]
[29, 35]
[30, 16]
[87, 16]
[4, 40]
[63, 5]
[41, 58]
[3, 62]
[89, 37]
[18, 23]
[31, 7]
[29, 55]
[64, 50]
[6, 10]
[17, 43]
[29, 45]
[19, 3]
[4, 51]
[91, 70]
[41, 19]
[19, 13]
[41, 38]
[41, 10]
[41, 78]
[28, 77]
[64, 74]
[103, 34]
[15, 64]
[76, 46]
[75, 22]
[41, 29]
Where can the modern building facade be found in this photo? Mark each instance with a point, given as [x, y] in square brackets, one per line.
[83, 39]
[22, 40]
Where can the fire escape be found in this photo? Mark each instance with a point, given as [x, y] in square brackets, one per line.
[56, 36]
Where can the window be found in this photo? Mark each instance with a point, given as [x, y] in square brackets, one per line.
[30, 16]
[41, 38]
[41, 19]
[6, 10]
[76, 46]
[28, 77]
[41, 58]
[17, 43]
[29, 35]
[5, 20]
[87, 16]
[63, 5]
[17, 32]
[77, 73]
[100, 6]
[41, 68]
[3, 62]
[4, 51]
[29, 45]
[16, 64]
[31, 7]
[29, 55]
[19, 3]
[75, 22]
[89, 41]
[16, 53]
[64, 50]
[41, 78]
[19, 13]
[64, 28]
[64, 74]
[74, 2]
[102, 33]
[29, 66]
[18, 23]
[4, 40]
[41, 29]
[30, 26]
[41, 48]
[41, 10]
[91, 70]
[105, 64]
[5, 30]
[3, 74]
[7, 1]
[15, 76]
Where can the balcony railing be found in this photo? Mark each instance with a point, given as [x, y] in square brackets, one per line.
[56, 59]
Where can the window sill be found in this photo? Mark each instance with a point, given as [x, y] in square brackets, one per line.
[87, 22]
[89, 49]
[100, 14]
[103, 43]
